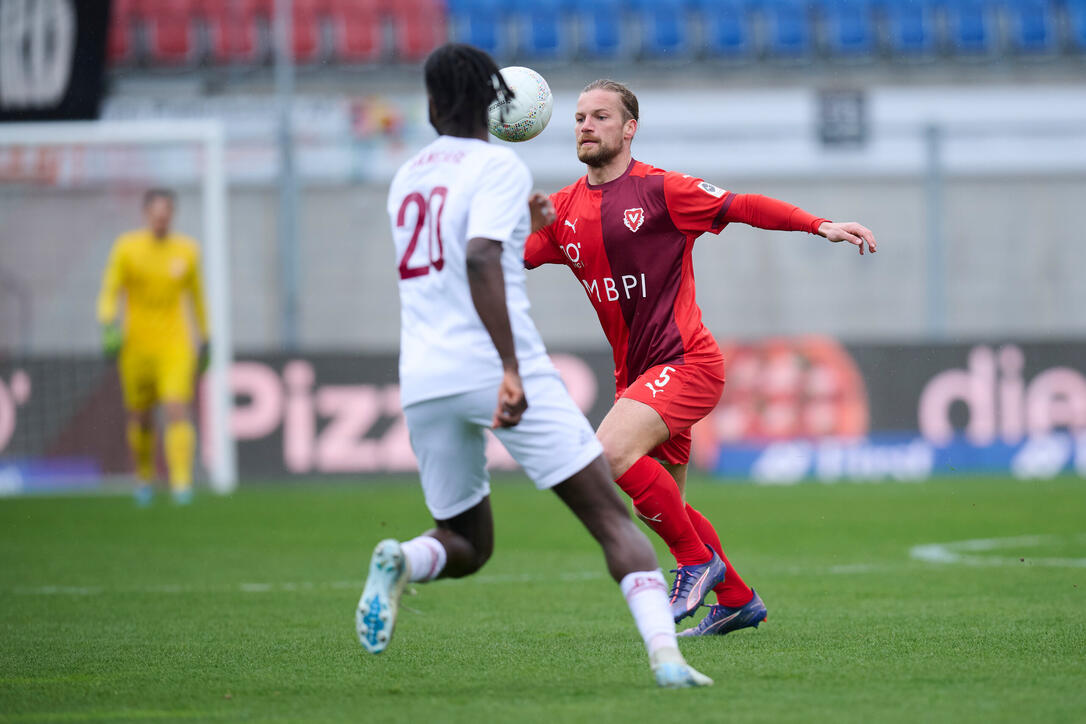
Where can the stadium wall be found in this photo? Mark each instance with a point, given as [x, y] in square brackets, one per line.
[1014, 259]
[794, 408]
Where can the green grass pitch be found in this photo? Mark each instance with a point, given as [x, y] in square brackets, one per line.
[241, 608]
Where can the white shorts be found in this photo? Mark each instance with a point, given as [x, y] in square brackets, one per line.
[552, 442]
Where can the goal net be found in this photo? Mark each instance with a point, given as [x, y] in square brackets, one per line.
[67, 190]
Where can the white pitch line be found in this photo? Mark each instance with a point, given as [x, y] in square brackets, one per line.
[954, 552]
[265, 587]
[860, 568]
[59, 590]
[291, 586]
[958, 552]
[568, 577]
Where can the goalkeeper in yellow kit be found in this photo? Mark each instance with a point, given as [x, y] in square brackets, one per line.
[157, 352]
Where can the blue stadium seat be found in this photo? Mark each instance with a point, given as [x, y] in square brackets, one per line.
[663, 29]
[969, 27]
[1032, 26]
[1076, 22]
[601, 27]
[542, 35]
[911, 29]
[789, 28]
[479, 23]
[726, 25]
[850, 30]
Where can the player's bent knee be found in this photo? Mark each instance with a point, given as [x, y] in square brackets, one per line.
[468, 565]
[620, 457]
[481, 559]
[483, 551]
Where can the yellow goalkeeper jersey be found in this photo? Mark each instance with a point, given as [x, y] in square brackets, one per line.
[155, 275]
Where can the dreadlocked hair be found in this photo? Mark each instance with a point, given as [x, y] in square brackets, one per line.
[462, 82]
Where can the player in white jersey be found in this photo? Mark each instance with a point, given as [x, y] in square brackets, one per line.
[471, 358]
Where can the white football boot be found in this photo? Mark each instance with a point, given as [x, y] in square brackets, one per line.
[672, 672]
[376, 615]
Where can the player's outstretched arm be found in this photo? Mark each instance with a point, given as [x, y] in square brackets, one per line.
[764, 212]
[487, 283]
[851, 232]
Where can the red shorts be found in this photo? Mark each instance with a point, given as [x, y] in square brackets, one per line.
[681, 394]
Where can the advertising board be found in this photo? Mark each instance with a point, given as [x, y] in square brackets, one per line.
[793, 409]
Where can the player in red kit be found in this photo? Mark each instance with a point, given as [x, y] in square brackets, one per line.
[626, 230]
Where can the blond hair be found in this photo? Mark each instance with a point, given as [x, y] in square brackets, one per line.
[629, 100]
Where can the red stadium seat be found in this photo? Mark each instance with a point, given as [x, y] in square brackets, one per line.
[420, 27]
[171, 30]
[305, 24]
[259, 8]
[255, 39]
[357, 28]
[239, 30]
[122, 46]
[221, 32]
[307, 30]
[243, 30]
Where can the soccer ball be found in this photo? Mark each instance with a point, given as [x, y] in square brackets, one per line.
[526, 115]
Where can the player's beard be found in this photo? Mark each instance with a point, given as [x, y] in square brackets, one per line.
[599, 156]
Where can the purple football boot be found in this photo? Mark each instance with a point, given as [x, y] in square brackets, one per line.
[723, 620]
[692, 585]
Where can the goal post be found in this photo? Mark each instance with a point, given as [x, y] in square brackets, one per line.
[208, 137]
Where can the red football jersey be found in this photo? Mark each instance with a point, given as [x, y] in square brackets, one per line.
[629, 242]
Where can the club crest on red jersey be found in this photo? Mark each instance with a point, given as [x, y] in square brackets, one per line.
[633, 218]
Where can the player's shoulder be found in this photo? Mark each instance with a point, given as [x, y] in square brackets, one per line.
[496, 150]
[671, 178]
[678, 183]
[186, 243]
[568, 194]
[491, 155]
[132, 236]
[417, 162]
[659, 180]
[647, 170]
[471, 157]
[128, 241]
[498, 166]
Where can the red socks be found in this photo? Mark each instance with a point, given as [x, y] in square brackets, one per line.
[657, 500]
[733, 592]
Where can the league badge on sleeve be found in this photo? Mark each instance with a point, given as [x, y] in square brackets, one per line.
[710, 189]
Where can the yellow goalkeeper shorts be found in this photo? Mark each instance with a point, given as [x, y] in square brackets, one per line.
[149, 377]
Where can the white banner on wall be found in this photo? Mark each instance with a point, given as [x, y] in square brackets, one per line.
[752, 133]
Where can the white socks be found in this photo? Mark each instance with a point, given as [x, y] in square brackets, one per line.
[425, 558]
[646, 595]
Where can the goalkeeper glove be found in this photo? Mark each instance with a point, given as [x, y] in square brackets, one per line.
[112, 338]
[203, 358]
